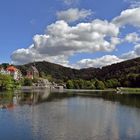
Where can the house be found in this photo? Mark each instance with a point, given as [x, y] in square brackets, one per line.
[13, 71]
[32, 72]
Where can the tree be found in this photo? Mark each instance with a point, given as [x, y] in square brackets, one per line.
[5, 65]
[70, 84]
[89, 85]
[76, 84]
[27, 82]
[99, 85]
[112, 83]
[81, 83]
[50, 78]
[6, 82]
[42, 74]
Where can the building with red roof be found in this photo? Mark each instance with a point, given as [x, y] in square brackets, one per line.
[13, 71]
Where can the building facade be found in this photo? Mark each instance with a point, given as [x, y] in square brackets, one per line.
[32, 72]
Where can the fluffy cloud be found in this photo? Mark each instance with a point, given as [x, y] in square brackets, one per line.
[73, 14]
[129, 16]
[62, 41]
[132, 38]
[108, 59]
[132, 54]
[99, 62]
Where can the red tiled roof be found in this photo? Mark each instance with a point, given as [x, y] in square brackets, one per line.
[11, 68]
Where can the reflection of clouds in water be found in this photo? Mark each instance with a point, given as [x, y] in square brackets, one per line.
[93, 119]
[131, 132]
[75, 118]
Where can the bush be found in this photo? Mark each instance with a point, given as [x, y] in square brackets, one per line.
[112, 83]
[70, 84]
[6, 82]
[99, 85]
[27, 82]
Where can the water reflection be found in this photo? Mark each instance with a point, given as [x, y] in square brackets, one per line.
[69, 116]
[12, 99]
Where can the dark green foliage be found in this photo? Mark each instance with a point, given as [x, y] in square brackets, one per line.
[27, 82]
[50, 78]
[99, 85]
[80, 84]
[89, 85]
[4, 65]
[112, 83]
[70, 84]
[35, 80]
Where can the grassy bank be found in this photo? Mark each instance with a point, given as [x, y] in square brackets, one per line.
[130, 90]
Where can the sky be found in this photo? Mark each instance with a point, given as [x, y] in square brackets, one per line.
[72, 33]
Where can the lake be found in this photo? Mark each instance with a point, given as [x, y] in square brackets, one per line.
[42, 115]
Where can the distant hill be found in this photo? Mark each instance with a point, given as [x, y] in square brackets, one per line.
[119, 70]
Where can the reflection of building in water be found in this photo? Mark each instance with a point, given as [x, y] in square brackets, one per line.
[23, 98]
[9, 100]
[15, 100]
[8, 105]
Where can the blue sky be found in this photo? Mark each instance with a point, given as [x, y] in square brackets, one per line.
[29, 31]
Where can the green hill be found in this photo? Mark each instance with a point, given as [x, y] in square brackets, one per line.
[127, 72]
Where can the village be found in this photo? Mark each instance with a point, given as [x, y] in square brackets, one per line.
[32, 74]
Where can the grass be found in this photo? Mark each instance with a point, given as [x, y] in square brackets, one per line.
[130, 90]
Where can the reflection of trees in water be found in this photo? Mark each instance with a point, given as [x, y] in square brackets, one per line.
[58, 96]
[10, 100]
[32, 98]
[6, 100]
[124, 99]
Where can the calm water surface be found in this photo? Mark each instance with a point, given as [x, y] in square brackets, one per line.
[61, 116]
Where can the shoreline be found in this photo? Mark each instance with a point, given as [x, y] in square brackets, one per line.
[88, 90]
[119, 90]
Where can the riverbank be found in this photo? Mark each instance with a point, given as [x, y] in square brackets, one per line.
[119, 90]
[87, 90]
[128, 90]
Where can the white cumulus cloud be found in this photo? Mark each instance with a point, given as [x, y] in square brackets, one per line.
[73, 14]
[62, 41]
[108, 59]
[132, 37]
[129, 16]
[99, 62]
[132, 54]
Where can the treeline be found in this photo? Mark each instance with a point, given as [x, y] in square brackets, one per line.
[92, 84]
[131, 80]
